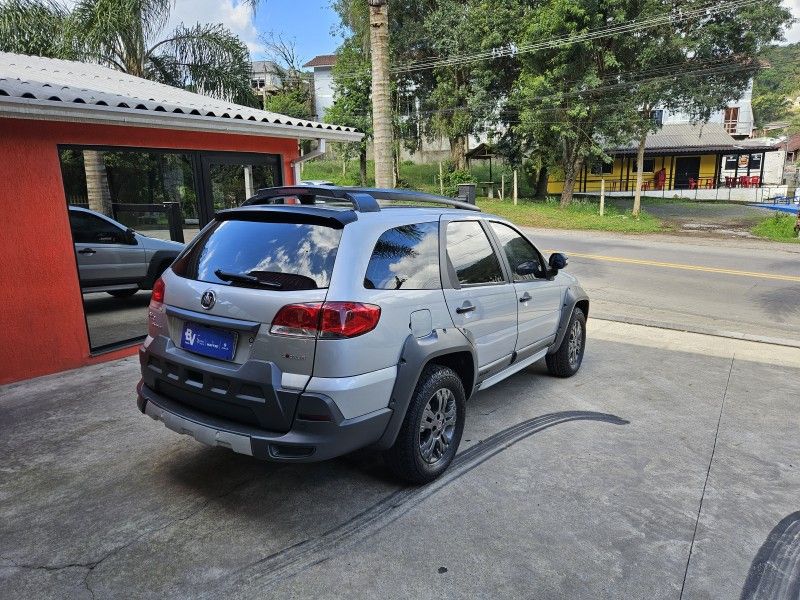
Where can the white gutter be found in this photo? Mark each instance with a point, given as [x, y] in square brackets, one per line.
[315, 153]
[51, 110]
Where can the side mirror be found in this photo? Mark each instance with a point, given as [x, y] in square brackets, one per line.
[130, 236]
[557, 262]
[530, 267]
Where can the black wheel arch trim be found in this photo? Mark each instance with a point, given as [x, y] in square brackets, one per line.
[573, 295]
[159, 258]
[416, 354]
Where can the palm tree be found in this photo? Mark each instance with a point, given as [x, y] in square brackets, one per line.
[128, 35]
[381, 100]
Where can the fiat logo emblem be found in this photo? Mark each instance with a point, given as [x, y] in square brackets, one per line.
[208, 299]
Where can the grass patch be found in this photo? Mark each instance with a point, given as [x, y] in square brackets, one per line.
[578, 215]
[779, 227]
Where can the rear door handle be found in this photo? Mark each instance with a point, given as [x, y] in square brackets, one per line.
[465, 308]
[525, 297]
[87, 251]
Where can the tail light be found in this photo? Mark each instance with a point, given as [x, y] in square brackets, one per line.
[327, 321]
[158, 291]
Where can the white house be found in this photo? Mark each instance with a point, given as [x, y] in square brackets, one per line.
[737, 117]
[323, 82]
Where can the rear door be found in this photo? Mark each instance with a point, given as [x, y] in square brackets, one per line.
[106, 254]
[481, 300]
[291, 263]
[539, 299]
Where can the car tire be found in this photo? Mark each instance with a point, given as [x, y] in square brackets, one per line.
[432, 428]
[123, 293]
[566, 361]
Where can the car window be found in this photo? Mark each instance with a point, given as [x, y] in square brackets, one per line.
[518, 250]
[90, 229]
[406, 257]
[471, 254]
[278, 256]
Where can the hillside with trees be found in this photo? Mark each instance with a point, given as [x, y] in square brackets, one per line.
[776, 89]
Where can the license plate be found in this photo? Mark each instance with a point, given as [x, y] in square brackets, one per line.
[215, 343]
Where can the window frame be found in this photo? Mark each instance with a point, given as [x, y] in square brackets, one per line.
[450, 279]
[507, 265]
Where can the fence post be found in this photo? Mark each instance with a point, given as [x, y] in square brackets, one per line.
[441, 179]
[502, 186]
[602, 196]
[515, 187]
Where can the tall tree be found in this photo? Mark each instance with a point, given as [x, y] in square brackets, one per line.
[383, 147]
[351, 99]
[560, 93]
[293, 98]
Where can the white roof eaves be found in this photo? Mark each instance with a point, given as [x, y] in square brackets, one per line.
[52, 110]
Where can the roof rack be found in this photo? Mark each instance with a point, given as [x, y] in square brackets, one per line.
[362, 199]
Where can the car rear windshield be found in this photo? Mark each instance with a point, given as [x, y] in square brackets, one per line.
[276, 256]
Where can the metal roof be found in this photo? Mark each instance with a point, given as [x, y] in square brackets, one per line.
[685, 137]
[34, 87]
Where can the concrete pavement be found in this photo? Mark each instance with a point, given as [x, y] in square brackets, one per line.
[737, 288]
[667, 467]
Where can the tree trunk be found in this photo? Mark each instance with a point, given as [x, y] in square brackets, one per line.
[637, 197]
[457, 153]
[97, 182]
[362, 165]
[381, 101]
[572, 169]
[541, 183]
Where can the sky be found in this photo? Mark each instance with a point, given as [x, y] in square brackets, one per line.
[308, 22]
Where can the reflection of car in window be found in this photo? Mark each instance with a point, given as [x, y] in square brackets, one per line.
[115, 259]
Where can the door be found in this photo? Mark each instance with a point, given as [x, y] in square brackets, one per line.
[107, 254]
[481, 302]
[231, 178]
[686, 167]
[538, 298]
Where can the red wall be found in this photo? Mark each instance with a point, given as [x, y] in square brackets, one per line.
[42, 327]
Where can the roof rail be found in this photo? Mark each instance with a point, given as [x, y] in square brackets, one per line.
[362, 199]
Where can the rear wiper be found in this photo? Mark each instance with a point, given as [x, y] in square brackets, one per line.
[245, 278]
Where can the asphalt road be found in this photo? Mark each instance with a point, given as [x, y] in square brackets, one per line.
[741, 288]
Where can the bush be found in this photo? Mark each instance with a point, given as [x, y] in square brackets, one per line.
[453, 178]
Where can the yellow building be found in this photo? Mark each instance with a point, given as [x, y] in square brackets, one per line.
[692, 156]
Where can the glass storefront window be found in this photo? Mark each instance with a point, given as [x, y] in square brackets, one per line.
[131, 210]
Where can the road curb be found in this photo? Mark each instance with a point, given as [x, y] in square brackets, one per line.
[733, 335]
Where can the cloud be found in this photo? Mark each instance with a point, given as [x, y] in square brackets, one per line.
[234, 14]
[793, 33]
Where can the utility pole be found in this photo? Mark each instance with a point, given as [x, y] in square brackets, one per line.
[381, 101]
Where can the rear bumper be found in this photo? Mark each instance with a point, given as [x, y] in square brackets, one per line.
[306, 441]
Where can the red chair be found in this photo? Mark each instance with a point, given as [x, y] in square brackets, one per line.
[744, 181]
[730, 182]
[692, 183]
[645, 186]
[755, 181]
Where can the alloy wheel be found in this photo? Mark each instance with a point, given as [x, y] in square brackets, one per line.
[575, 343]
[438, 426]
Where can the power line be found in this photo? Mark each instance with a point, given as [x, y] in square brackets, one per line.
[511, 49]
